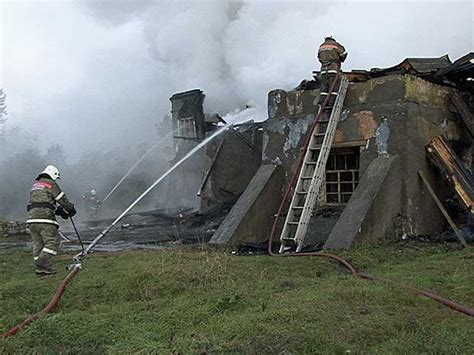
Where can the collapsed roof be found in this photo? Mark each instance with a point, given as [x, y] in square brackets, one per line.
[440, 70]
[415, 66]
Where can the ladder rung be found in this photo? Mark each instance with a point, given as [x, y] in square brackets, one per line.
[319, 134]
[288, 239]
[293, 223]
[311, 162]
[297, 207]
[306, 177]
[302, 192]
[319, 147]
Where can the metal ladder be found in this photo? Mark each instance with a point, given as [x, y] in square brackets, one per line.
[311, 176]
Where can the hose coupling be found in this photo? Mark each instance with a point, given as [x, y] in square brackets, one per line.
[73, 266]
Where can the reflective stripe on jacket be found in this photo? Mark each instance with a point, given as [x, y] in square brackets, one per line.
[42, 220]
[331, 54]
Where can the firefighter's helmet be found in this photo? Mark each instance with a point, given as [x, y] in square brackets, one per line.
[52, 172]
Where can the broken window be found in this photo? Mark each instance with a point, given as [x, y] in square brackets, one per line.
[342, 175]
[187, 127]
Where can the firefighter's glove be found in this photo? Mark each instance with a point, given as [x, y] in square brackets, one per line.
[61, 212]
[72, 212]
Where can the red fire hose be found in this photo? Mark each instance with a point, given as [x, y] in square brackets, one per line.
[453, 305]
[49, 308]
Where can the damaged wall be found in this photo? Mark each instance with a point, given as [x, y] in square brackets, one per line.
[184, 185]
[372, 210]
[231, 162]
[250, 219]
[390, 115]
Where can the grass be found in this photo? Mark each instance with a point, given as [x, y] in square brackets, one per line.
[198, 301]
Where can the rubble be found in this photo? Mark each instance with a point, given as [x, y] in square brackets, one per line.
[12, 228]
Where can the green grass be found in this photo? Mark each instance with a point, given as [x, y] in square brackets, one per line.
[197, 301]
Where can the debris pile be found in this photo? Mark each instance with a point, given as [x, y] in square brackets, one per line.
[12, 228]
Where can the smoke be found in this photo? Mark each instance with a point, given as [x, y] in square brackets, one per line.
[236, 51]
[99, 73]
[95, 76]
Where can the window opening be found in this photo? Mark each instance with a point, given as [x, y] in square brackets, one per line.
[187, 127]
[342, 175]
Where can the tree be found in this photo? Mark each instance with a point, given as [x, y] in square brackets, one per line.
[55, 155]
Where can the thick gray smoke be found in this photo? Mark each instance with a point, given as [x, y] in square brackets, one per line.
[237, 51]
[94, 77]
[91, 74]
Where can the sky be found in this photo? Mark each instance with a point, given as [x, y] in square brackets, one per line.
[93, 75]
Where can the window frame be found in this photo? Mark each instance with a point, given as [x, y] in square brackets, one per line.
[337, 168]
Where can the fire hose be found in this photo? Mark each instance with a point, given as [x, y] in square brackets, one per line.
[56, 297]
[77, 265]
[290, 188]
[48, 309]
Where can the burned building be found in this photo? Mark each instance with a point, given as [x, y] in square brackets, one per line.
[372, 187]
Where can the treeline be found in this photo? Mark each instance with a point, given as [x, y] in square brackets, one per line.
[21, 161]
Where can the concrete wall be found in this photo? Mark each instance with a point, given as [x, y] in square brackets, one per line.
[238, 158]
[189, 104]
[251, 218]
[372, 210]
[184, 182]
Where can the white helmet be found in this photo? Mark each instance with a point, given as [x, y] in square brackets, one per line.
[52, 172]
[93, 192]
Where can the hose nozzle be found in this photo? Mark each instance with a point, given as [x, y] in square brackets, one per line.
[77, 265]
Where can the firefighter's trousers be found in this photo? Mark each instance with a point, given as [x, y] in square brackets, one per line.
[45, 245]
[327, 79]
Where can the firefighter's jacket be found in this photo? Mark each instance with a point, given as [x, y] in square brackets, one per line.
[44, 195]
[331, 54]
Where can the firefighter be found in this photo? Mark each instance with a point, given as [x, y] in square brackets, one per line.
[92, 204]
[47, 200]
[331, 54]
